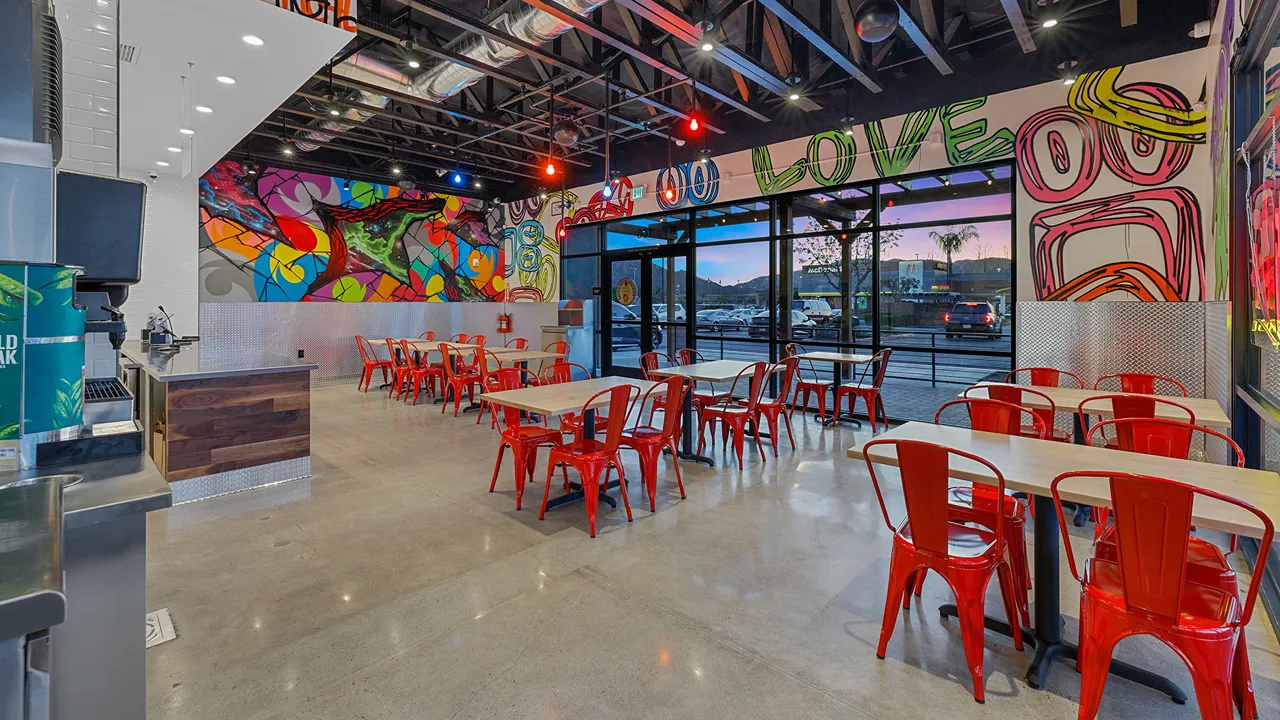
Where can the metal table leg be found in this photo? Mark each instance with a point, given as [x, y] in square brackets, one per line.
[686, 432]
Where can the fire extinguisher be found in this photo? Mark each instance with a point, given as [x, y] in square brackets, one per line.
[504, 323]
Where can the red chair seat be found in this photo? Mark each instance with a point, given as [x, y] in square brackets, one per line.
[643, 433]
[1200, 606]
[1054, 433]
[963, 497]
[963, 542]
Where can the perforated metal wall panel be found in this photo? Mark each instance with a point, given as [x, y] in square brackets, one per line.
[326, 331]
[1217, 368]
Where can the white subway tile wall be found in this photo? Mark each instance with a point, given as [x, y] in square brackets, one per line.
[90, 86]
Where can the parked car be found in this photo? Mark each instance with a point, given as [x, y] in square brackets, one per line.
[972, 317]
[718, 321]
[677, 314]
[801, 325]
[831, 330]
[745, 314]
[816, 309]
[626, 329]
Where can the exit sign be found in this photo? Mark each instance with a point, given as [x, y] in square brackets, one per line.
[637, 192]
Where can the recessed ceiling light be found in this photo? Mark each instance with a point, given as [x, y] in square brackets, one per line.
[1048, 23]
[204, 109]
[415, 64]
[226, 80]
[252, 39]
[708, 47]
[162, 163]
[794, 96]
[175, 149]
[334, 112]
[186, 131]
[288, 150]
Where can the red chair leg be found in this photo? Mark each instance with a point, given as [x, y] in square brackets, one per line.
[622, 486]
[702, 432]
[675, 460]
[822, 404]
[520, 459]
[773, 432]
[1242, 681]
[1210, 661]
[786, 417]
[649, 454]
[1008, 589]
[899, 575]
[502, 446]
[1093, 658]
[969, 610]
[738, 433]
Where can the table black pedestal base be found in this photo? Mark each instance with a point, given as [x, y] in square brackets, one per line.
[992, 624]
[577, 495]
[694, 457]
[830, 421]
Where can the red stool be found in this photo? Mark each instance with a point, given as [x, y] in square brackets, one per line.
[592, 457]
[1145, 589]
[649, 441]
[931, 538]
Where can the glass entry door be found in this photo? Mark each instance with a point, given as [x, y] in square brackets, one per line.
[650, 311]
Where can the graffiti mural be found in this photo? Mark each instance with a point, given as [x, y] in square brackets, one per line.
[287, 236]
[1112, 189]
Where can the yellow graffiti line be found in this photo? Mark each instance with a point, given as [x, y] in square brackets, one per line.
[1095, 95]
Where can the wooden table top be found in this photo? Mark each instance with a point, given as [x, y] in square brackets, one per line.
[434, 345]
[834, 357]
[1208, 412]
[1030, 465]
[561, 398]
[515, 356]
[714, 371]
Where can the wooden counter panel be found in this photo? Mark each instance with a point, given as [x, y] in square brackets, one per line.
[219, 424]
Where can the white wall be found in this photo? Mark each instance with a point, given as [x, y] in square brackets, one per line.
[170, 241]
[90, 85]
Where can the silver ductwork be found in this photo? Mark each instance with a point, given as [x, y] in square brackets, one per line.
[342, 123]
[446, 79]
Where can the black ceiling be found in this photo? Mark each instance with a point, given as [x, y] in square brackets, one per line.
[647, 53]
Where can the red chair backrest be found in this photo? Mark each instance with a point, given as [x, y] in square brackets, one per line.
[479, 340]
[1129, 406]
[406, 352]
[1015, 394]
[562, 371]
[926, 478]
[790, 366]
[996, 416]
[364, 351]
[1141, 383]
[445, 350]
[672, 389]
[1152, 518]
[620, 397]
[1044, 376]
[518, 343]
[397, 359]
[651, 361]
[460, 338]
[879, 363]
[487, 361]
[560, 347]
[428, 336]
[1159, 436]
[689, 356]
[512, 378]
[753, 376]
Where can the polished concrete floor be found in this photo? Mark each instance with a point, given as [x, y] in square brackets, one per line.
[392, 585]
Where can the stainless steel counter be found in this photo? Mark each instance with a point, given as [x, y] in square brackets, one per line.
[190, 364]
[111, 489]
[31, 594]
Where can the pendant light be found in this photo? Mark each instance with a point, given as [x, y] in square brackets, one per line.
[607, 191]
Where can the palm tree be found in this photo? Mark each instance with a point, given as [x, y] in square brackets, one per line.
[951, 240]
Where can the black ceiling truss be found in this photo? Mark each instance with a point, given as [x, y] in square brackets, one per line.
[753, 71]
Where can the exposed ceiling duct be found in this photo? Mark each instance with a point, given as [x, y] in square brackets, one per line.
[445, 79]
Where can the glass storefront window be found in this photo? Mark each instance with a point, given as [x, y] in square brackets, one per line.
[942, 198]
[646, 231]
[740, 221]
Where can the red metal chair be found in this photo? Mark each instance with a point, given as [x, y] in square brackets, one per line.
[456, 378]
[487, 365]
[977, 503]
[561, 347]
[417, 373]
[399, 368]
[1142, 383]
[591, 457]
[701, 398]
[773, 408]
[869, 392]
[649, 362]
[931, 537]
[1128, 406]
[461, 339]
[1044, 376]
[518, 343]
[563, 371]
[427, 335]
[733, 416]
[479, 341]
[369, 362]
[650, 441]
[524, 440]
[807, 385]
[1014, 394]
[1206, 563]
[1146, 589]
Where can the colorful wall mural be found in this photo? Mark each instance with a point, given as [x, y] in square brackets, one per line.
[287, 236]
[1114, 185]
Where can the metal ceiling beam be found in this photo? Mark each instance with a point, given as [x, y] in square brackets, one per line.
[1128, 13]
[484, 30]
[555, 9]
[379, 112]
[681, 28]
[850, 24]
[390, 148]
[1013, 8]
[435, 141]
[815, 38]
[295, 163]
[908, 25]
[1261, 31]
[776, 41]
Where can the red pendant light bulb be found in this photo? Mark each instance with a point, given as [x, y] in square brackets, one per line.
[551, 168]
[670, 194]
[693, 123]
